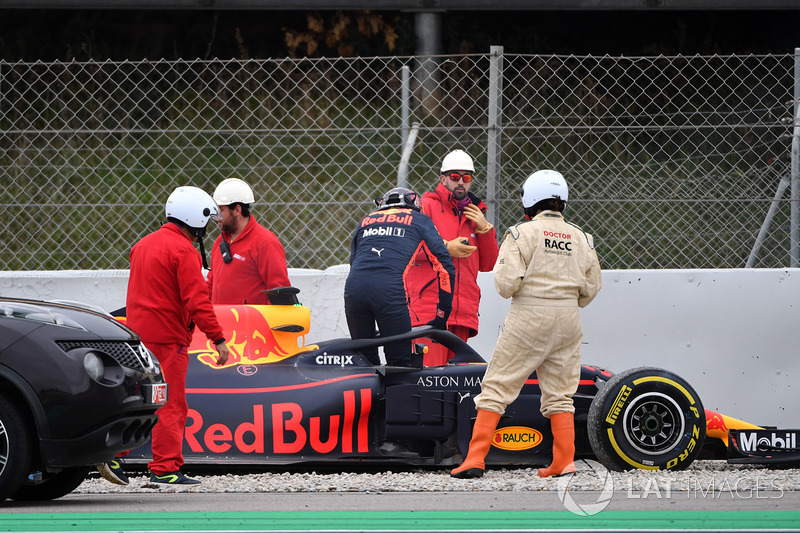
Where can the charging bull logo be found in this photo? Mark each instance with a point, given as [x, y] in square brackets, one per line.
[250, 337]
[718, 425]
[715, 422]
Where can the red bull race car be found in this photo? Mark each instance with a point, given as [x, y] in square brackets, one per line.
[279, 400]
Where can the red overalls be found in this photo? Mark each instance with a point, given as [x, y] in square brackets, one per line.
[167, 297]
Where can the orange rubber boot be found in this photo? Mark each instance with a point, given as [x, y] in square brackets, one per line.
[563, 427]
[482, 433]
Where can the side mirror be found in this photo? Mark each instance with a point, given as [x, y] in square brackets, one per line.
[283, 295]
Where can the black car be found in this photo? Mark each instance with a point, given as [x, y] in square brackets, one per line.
[76, 388]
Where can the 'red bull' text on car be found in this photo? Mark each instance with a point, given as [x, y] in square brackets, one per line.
[280, 401]
[76, 389]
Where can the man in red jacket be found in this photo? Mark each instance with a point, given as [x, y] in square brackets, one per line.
[247, 258]
[167, 297]
[471, 240]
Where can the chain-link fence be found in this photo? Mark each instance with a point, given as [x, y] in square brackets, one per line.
[673, 162]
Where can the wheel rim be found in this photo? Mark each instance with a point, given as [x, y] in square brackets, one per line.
[4, 447]
[653, 423]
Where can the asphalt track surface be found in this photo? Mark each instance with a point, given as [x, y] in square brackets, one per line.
[397, 512]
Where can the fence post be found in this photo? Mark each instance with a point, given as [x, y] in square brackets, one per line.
[794, 217]
[428, 28]
[773, 208]
[494, 132]
[402, 170]
[405, 103]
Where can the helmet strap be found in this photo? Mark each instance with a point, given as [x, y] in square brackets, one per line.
[530, 212]
[203, 253]
[200, 233]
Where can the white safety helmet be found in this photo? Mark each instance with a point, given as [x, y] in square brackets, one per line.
[192, 206]
[541, 185]
[232, 191]
[457, 160]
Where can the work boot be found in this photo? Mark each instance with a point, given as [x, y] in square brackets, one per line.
[482, 433]
[562, 425]
[112, 471]
[172, 478]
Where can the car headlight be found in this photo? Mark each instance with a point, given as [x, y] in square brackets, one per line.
[94, 366]
[99, 366]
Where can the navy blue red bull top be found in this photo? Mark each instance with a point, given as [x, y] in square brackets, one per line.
[384, 247]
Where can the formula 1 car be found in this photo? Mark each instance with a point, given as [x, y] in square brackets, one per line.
[280, 401]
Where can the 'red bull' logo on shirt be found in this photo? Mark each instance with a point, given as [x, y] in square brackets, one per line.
[388, 217]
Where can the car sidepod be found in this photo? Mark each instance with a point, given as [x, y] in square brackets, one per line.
[432, 410]
[311, 406]
[523, 435]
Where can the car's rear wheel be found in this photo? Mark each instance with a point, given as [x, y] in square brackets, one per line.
[15, 448]
[51, 486]
[646, 418]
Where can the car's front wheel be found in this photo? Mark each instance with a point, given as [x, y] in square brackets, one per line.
[15, 448]
[646, 418]
[51, 486]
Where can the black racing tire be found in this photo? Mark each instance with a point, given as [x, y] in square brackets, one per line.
[51, 486]
[15, 448]
[646, 418]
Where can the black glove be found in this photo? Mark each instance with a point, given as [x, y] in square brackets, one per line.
[438, 323]
[440, 319]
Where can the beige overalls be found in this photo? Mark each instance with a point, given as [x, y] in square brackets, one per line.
[550, 269]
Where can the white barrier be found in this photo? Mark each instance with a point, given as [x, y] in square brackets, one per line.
[728, 332]
[320, 290]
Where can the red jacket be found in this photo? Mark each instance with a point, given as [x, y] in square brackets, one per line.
[441, 207]
[259, 263]
[167, 294]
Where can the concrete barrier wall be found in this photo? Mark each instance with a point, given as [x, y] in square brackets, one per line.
[730, 333]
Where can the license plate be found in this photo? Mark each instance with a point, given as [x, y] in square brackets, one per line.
[158, 393]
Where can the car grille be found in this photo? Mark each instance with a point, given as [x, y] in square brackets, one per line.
[124, 353]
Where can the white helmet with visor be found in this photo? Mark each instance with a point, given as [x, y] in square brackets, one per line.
[192, 206]
[541, 185]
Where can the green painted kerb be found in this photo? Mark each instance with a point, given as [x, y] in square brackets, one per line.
[406, 520]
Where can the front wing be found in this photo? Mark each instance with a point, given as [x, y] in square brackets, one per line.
[763, 446]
